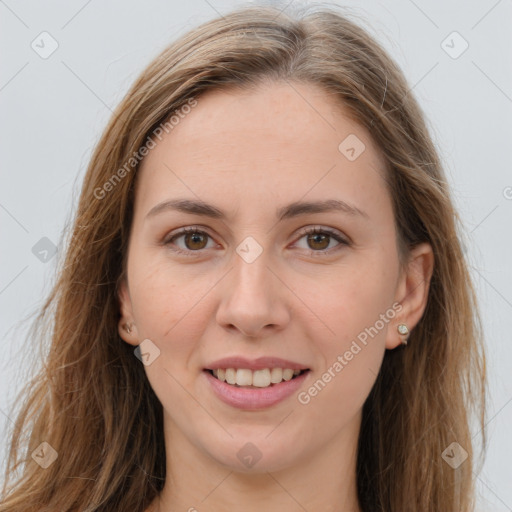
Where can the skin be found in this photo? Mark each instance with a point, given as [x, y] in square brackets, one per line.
[249, 153]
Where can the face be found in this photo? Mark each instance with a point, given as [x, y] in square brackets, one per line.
[255, 281]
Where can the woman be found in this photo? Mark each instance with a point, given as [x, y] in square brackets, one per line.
[264, 302]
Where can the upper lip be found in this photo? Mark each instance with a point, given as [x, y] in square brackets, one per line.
[254, 364]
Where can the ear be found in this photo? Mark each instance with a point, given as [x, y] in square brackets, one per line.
[126, 326]
[412, 292]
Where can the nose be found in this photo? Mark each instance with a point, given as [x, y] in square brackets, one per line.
[253, 299]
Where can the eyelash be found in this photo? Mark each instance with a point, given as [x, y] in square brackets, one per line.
[191, 229]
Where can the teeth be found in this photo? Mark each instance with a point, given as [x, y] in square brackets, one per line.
[276, 375]
[257, 378]
[231, 375]
[288, 374]
[244, 377]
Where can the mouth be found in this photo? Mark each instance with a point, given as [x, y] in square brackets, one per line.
[255, 379]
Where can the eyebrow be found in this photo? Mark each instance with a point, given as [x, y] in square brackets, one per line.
[198, 207]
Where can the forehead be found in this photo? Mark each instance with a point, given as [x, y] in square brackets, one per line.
[280, 140]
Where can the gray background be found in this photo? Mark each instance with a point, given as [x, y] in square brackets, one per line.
[54, 109]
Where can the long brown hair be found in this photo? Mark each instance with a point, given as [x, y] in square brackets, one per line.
[92, 403]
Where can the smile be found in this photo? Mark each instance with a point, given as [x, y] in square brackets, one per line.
[244, 377]
[251, 397]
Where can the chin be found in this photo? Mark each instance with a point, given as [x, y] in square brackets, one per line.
[254, 454]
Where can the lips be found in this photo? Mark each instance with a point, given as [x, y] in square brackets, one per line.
[252, 398]
[254, 383]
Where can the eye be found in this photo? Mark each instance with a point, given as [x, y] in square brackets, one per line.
[194, 239]
[319, 239]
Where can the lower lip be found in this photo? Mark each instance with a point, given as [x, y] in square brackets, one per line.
[254, 398]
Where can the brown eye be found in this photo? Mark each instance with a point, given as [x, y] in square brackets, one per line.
[318, 241]
[195, 240]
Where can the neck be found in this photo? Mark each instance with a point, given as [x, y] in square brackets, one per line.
[325, 480]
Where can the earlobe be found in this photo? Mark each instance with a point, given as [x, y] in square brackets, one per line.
[126, 326]
[412, 293]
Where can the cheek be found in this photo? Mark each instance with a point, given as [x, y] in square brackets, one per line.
[168, 309]
[350, 367]
[172, 309]
[353, 299]
[358, 309]
[164, 297]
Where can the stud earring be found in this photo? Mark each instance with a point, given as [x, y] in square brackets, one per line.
[128, 328]
[404, 331]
